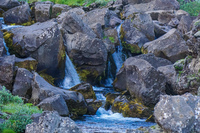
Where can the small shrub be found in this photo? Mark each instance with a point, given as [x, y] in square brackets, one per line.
[192, 7]
[6, 97]
[17, 122]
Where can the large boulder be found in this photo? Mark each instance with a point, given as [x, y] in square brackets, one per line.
[70, 23]
[8, 4]
[51, 122]
[7, 71]
[22, 83]
[41, 90]
[178, 113]
[57, 9]
[42, 12]
[85, 89]
[88, 54]
[154, 61]
[101, 16]
[166, 5]
[43, 42]
[170, 46]
[142, 80]
[136, 31]
[55, 103]
[18, 15]
[185, 24]
[151, 6]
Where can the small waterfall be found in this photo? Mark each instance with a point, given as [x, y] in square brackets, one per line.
[118, 55]
[110, 78]
[71, 76]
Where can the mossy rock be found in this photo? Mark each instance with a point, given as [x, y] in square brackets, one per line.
[27, 63]
[90, 76]
[13, 48]
[132, 48]
[86, 90]
[178, 65]
[130, 107]
[76, 109]
[93, 106]
[47, 77]
[110, 98]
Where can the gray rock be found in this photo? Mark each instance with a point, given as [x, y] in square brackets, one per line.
[144, 23]
[154, 61]
[57, 9]
[7, 71]
[178, 113]
[70, 23]
[22, 83]
[43, 42]
[166, 5]
[18, 15]
[41, 90]
[142, 80]
[51, 122]
[2, 49]
[132, 35]
[160, 29]
[8, 4]
[171, 76]
[97, 28]
[93, 106]
[85, 89]
[101, 16]
[89, 54]
[170, 46]
[42, 12]
[55, 103]
[185, 24]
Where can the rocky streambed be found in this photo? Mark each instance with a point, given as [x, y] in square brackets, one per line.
[110, 69]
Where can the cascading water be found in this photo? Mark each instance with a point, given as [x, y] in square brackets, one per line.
[71, 76]
[107, 121]
[118, 55]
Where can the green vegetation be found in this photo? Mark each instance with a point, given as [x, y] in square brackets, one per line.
[193, 8]
[79, 2]
[16, 113]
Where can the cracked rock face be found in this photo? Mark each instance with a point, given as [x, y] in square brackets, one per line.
[51, 122]
[178, 113]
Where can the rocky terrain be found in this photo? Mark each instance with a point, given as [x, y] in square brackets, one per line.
[159, 46]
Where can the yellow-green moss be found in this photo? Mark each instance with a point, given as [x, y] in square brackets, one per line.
[88, 93]
[86, 74]
[28, 23]
[133, 48]
[29, 65]
[144, 51]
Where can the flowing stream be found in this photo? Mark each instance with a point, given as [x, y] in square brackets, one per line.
[103, 121]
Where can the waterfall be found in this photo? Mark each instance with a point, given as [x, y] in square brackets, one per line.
[118, 55]
[71, 76]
